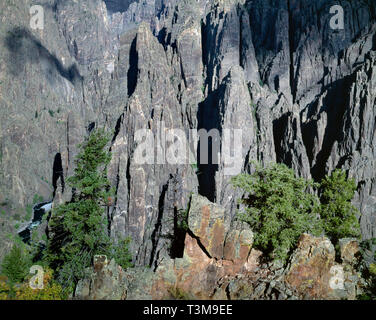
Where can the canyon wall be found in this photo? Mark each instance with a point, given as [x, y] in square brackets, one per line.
[302, 94]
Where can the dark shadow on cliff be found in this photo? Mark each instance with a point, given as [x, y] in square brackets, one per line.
[133, 68]
[25, 48]
[334, 104]
[280, 126]
[155, 236]
[118, 5]
[58, 173]
[209, 117]
[180, 231]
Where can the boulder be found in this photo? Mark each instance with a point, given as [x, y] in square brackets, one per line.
[314, 273]
[350, 250]
[214, 250]
[106, 282]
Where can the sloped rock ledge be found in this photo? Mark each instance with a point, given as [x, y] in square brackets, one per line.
[220, 263]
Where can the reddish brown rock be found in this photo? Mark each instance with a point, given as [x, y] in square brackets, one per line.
[219, 263]
[211, 253]
[350, 250]
[314, 274]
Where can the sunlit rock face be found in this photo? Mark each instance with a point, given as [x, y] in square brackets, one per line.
[218, 262]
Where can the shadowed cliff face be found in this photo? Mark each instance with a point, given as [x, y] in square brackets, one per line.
[25, 47]
[118, 5]
[301, 92]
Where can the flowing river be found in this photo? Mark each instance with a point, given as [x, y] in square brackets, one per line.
[39, 210]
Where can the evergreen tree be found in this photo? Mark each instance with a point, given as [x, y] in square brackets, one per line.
[122, 255]
[279, 208]
[16, 264]
[338, 214]
[79, 228]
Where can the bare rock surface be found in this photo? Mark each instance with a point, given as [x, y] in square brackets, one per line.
[220, 263]
[107, 282]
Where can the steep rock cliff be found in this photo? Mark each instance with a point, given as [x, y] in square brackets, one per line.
[301, 92]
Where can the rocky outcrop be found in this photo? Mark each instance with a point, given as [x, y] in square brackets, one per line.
[211, 252]
[314, 273]
[311, 274]
[350, 251]
[219, 262]
[106, 282]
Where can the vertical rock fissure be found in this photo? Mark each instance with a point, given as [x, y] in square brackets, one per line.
[203, 53]
[180, 231]
[334, 103]
[199, 243]
[128, 177]
[208, 119]
[68, 151]
[241, 40]
[157, 228]
[57, 173]
[291, 52]
[117, 127]
[133, 68]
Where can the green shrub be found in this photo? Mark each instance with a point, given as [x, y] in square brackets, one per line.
[182, 219]
[35, 236]
[367, 267]
[16, 264]
[278, 208]
[369, 275]
[337, 212]
[51, 289]
[37, 199]
[122, 255]
[29, 212]
[194, 167]
[177, 293]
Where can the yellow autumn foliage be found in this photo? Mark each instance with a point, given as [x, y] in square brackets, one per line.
[51, 290]
[372, 269]
[4, 289]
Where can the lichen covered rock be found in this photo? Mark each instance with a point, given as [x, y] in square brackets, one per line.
[314, 273]
[106, 282]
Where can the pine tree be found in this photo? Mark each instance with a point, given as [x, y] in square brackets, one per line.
[337, 212]
[16, 264]
[279, 208]
[122, 254]
[79, 228]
